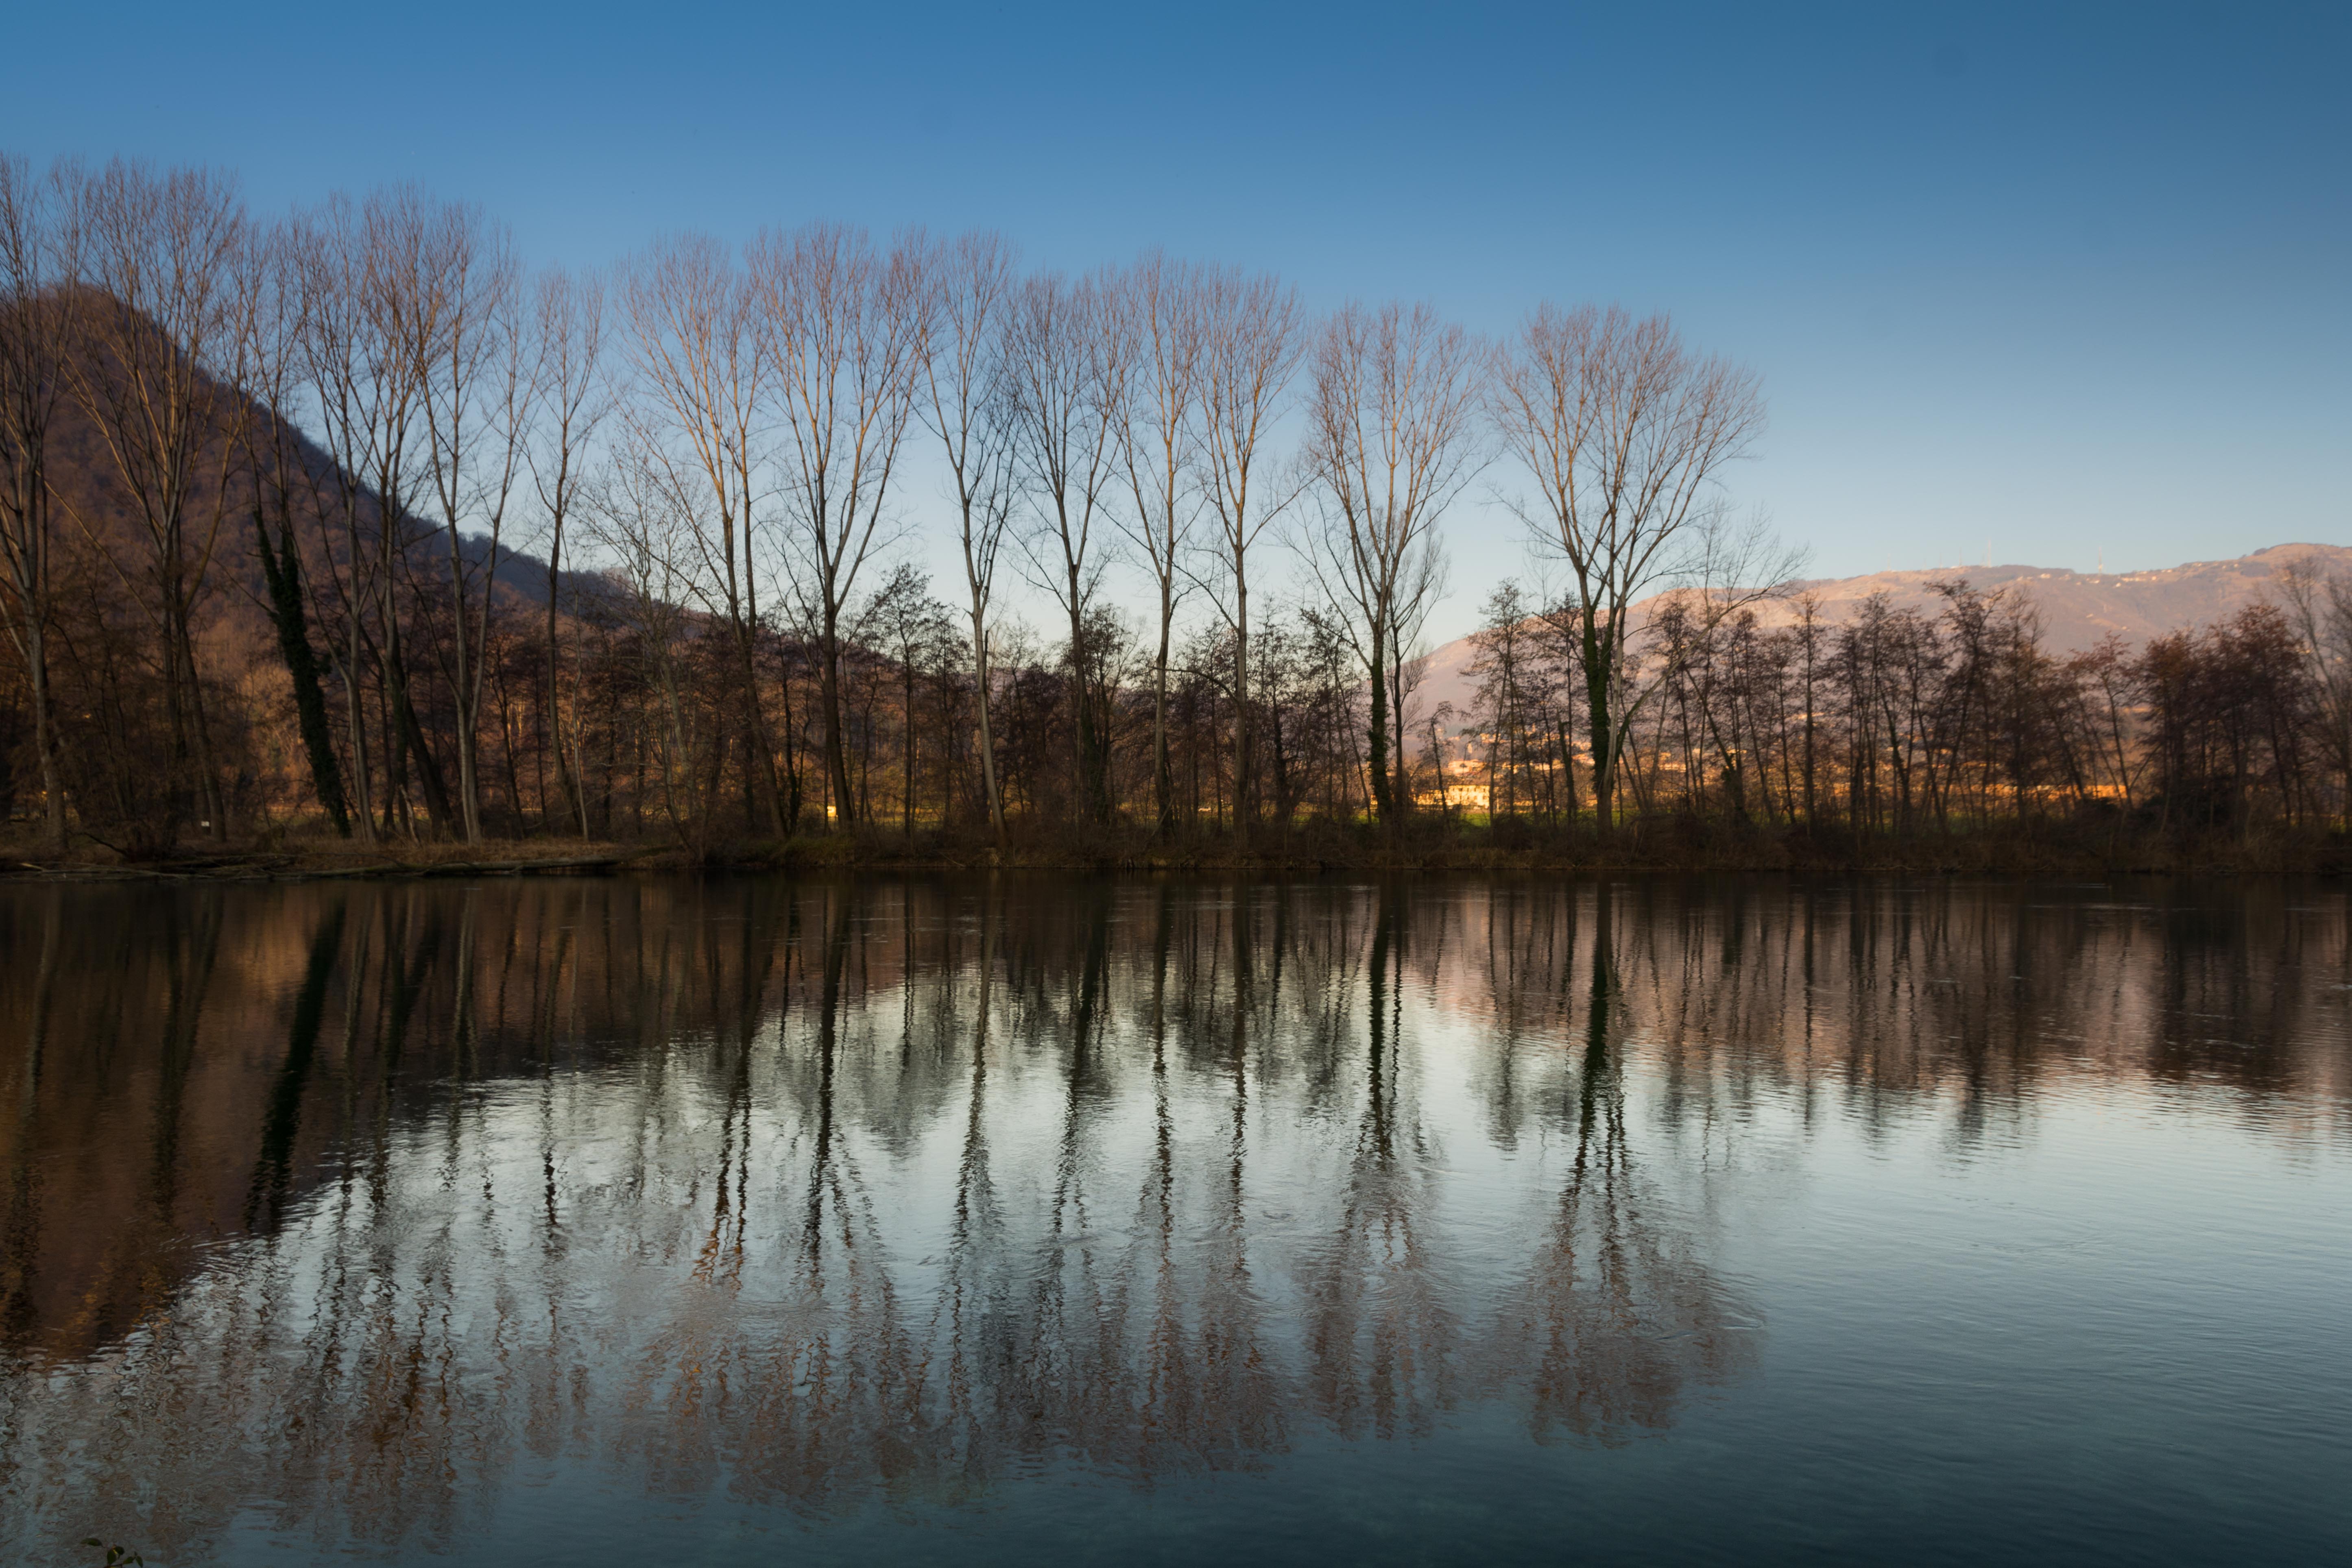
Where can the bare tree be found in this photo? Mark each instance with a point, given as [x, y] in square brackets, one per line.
[1159, 313]
[360, 264]
[158, 382]
[1066, 362]
[286, 484]
[1809, 647]
[641, 512]
[702, 366]
[1421, 585]
[479, 381]
[843, 323]
[1731, 566]
[37, 303]
[972, 281]
[1624, 432]
[1391, 442]
[1252, 332]
[913, 628]
[568, 320]
[1503, 654]
[2320, 611]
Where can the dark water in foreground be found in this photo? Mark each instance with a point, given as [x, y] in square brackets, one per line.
[1131, 1222]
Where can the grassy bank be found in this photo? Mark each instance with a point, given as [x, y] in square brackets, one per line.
[2051, 847]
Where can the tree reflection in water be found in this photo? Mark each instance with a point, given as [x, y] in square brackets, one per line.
[818, 1193]
[1616, 1312]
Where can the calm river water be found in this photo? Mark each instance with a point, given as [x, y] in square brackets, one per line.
[1053, 1220]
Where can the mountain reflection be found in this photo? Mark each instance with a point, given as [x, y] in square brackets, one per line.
[815, 1193]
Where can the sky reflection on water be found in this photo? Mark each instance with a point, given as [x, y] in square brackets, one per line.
[969, 1219]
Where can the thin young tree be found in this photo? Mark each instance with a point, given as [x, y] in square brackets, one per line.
[480, 379]
[36, 304]
[1157, 311]
[639, 510]
[359, 263]
[334, 343]
[1503, 647]
[843, 325]
[1625, 432]
[2320, 610]
[1423, 584]
[568, 320]
[911, 627]
[1809, 635]
[1556, 627]
[1252, 335]
[1392, 439]
[701, 368]
[1732, 565]
[157, 378]
[971, 280]
[285, 486]
[1066, 362]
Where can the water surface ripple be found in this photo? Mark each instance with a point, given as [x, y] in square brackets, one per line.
[1038, 1219]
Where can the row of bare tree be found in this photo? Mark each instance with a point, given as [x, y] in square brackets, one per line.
[262, 482]
[339, 423]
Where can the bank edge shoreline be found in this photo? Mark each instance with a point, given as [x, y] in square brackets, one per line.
[1676, 848]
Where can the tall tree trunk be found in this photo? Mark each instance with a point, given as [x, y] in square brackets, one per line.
[836, 753]
[1163, 778]
[428, 772]
[1400, 785]
[1605, 742]
[45, 742]
[1241, 712]
[469, 805]
[355, 720]
[1088, 795]
[988, 744]
[759, 751]
[567, 783]
[282, 569]
[906, 746]
[1384, 807]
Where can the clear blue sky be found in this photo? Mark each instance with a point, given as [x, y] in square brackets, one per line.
[2040, 279]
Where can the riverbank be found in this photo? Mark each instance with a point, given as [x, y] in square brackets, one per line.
[2041, 848]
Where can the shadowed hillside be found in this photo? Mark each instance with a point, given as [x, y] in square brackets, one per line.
[89, 491]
